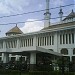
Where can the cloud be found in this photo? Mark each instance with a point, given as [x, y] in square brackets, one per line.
[4, 9]
[32, 26]
[12, 6]
[57, 2]
[40, 6]
[74, 5]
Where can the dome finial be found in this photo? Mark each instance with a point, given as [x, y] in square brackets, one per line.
[72, 10]
[16, 24]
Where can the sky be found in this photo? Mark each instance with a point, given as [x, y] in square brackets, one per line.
[13, 7]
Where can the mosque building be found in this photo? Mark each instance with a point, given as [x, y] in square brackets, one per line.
[53, 40]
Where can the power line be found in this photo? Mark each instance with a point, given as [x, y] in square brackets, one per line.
[29, 21]
[34, 11]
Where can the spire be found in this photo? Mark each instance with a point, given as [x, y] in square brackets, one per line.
[61, 14]
[47, 5]
[47, 15]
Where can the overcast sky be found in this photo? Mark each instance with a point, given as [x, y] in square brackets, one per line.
[12, 7]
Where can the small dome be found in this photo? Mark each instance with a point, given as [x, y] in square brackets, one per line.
[14, 31]
[71, 15]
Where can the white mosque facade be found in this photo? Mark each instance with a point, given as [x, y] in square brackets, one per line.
[57, 40]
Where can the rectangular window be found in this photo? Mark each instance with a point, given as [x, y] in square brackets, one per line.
[32, 41]
[0, 54]
[21, 43]
[63, 39]
[11, 44]
[14, 44]
[69, 38]
[8, 44]
[52, 40]
[73, 38]
[38, 41]
[66, 39]
[41, 41]
[26, 42]
[60, 39]
[45, 40]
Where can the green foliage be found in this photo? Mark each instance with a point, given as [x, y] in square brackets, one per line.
[50, 73]
[9, 72]
[38, 73]
[44, 68]
[15, 72]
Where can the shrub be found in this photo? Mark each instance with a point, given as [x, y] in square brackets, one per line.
[38, 73]
[50, 73]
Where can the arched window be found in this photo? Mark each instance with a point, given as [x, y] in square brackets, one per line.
[74, 51]
[64, 51]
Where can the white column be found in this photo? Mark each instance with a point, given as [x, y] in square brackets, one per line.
[4, 45]
[70, 58]
[2, 56]
[67, 38]
[5, 57]
[9, 57]
[29, 41]
[18, 43]
[32, 58]
[17, 57]
[70, 53]
[56, 41]
[34, 41]
[62, 38]
[41, 41]
[25, 42]
[44, 41]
